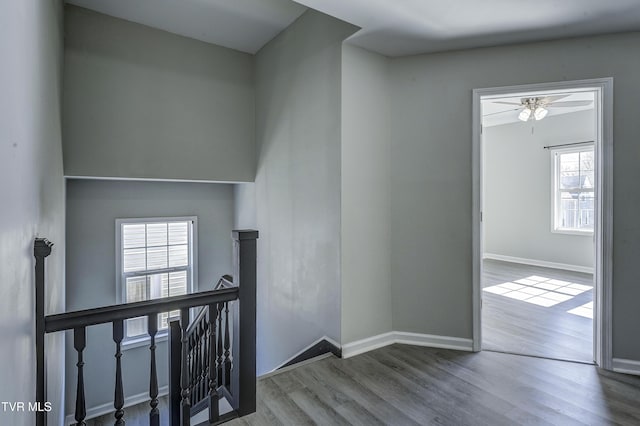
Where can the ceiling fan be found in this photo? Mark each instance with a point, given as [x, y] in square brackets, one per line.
[536, 108]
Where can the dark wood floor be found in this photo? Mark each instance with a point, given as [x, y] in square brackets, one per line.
[532, 310]
[137, 415]
[410, 385]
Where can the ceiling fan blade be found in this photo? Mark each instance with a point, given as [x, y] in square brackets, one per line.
[501, 112]
[553, 98]
[506, 103]
[568, 104]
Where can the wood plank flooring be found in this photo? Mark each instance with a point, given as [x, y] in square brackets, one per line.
[408, 385]
[137, 415]
[524, 327]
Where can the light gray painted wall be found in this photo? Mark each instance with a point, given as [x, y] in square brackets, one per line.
[244, 197]
[365, 195]
[298, 187]
[517, 189]
[431, 173]
[144, 103]
[92, 208]
[32, 194]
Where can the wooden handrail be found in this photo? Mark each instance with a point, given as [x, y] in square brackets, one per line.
[108, 314]
[202, 312]
[223, 363]
[225, 281]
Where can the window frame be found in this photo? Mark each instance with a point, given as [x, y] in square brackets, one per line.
[192, 278]
[556, 192]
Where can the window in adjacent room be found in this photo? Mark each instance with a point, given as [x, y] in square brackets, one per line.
[155, 258]
[573, 189]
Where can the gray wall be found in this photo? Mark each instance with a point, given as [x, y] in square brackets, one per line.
[144, 103]
[244, 197]
[298, 186]
[92, 208]
[365, 194]
[431, 173]
[32, 194]
[517, 189]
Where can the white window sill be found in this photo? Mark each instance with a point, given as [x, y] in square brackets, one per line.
[573, 232]
[136, 342]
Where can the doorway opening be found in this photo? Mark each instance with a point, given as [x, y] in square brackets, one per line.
[542, 220]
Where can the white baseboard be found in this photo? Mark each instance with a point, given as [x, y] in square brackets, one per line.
[107, 408]
[627, 366]
[434, 341]
[365, 345]
[535, 262]
[417, 339]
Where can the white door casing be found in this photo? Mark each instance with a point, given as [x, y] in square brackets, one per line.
[603, 230]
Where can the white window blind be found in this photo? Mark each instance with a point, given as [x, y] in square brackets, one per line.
[156, 260]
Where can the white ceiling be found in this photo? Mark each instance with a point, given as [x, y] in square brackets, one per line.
[244, 25]
[495, 114]
[404, 27]
[390, 27]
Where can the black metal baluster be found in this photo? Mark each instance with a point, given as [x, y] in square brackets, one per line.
[118, 394]
[214, 409]
[203, 353]
[154, 414]
[79, 343]
[204, 373]
[185, 405]
[192, 344]
[192, 375]
[198, 366]
[195, 374]
[227, 352]
[220, 347]
[189, 342]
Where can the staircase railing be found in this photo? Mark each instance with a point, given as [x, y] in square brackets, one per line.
[194, 348]
[208, 359]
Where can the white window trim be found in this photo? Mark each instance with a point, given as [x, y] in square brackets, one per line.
[134, 342]
[555, 194]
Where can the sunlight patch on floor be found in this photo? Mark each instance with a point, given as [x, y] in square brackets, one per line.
[585, 310]
[539, 291]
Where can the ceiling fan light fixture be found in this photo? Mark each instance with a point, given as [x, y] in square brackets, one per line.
[524, 114]
[540, 113]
